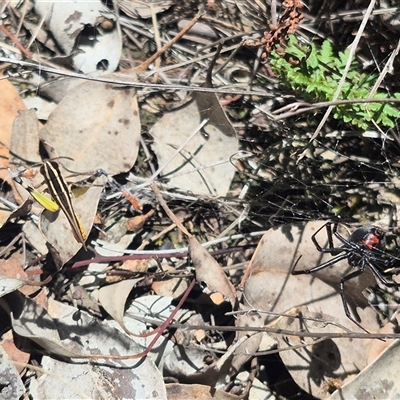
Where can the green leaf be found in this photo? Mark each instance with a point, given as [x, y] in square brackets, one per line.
[326, 54]
[318, 74]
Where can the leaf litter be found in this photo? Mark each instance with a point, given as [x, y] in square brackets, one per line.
[92, 317]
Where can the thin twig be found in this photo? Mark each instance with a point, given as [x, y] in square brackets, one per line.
[143, 67]
[344, 76]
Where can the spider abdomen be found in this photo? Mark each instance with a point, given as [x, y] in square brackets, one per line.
[369, 236]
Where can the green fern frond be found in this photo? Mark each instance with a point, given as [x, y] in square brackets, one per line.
[317, 75]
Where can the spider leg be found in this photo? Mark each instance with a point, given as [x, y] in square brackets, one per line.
[344, 301]
[328, 229]
[319, 267]
[379, 276]
[330, 233]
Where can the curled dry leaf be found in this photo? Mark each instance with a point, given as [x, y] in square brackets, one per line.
[204, 165]
[209, 273]
[135, 224]
[113, 299]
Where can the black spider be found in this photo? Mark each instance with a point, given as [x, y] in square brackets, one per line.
[365, 248]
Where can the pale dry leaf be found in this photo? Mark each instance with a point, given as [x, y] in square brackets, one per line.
[11, 268]
[312, 366]
[245, 351]
[8, 285]
[24, 144]
[188, 364]
[204, 165]
[11, 385]
[113, 299]
[35, 237]
[275, 293]
[280, 248]
[130, 378]
[97, 125]
[24, 149]
[135, 8]
[43, 106]
[209, 273]
[33, 322]
[155, 308]
[77, 28]
[380, 380]
[271, 287]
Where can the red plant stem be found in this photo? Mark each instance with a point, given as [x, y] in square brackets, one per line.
[108, 259]
[25, 52]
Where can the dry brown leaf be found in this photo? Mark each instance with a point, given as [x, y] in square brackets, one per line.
[14, 353]
[24, 145]
[210, 273]
[13, 269]
[174, 287]
[179, 391]
[33, 322]
[312, 366]
[135, 224]
[10, 104]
